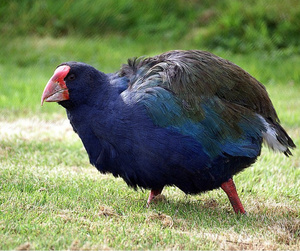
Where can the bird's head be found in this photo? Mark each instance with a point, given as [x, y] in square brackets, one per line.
[73, 83]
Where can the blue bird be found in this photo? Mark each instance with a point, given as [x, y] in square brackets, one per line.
[183, 118]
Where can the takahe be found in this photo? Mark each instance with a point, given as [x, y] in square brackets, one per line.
[184, 118]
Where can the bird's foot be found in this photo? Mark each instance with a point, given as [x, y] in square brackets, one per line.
[230, 190]
[153, 194]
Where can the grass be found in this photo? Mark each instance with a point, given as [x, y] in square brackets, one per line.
[26, 65]
[51, 198]
[244, 26]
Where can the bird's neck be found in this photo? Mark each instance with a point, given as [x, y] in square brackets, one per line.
[96, 126]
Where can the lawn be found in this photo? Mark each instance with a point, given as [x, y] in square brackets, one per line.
[51, 198]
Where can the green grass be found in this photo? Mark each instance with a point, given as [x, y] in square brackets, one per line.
[51, 198]
[239, 26]
[27, 63]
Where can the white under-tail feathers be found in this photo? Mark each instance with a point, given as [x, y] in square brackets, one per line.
[270, 137]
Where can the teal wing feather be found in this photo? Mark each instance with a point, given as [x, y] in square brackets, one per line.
[203, 96]
[192, 75]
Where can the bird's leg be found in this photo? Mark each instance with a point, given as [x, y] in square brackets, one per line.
[230, 190]
[153, 194]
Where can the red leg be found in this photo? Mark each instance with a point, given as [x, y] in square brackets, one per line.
[230, 190]
[152, 195]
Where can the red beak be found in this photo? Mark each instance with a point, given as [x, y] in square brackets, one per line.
[56, 89]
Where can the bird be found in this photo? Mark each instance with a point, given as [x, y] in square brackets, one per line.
[184, 118]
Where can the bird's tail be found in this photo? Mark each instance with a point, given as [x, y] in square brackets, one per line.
[276, 137]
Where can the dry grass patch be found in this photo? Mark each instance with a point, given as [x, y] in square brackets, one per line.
[287, 231]
[107, 211]
[164, 219]
[25, 246]
[35, 129]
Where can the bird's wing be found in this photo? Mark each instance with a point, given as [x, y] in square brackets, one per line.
[200, 95]
[190, 75]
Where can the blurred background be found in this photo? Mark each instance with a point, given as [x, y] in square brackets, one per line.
[263, 37]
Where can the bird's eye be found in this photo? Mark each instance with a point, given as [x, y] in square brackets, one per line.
[71, 77]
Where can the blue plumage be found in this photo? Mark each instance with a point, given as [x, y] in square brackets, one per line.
[183, 118]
